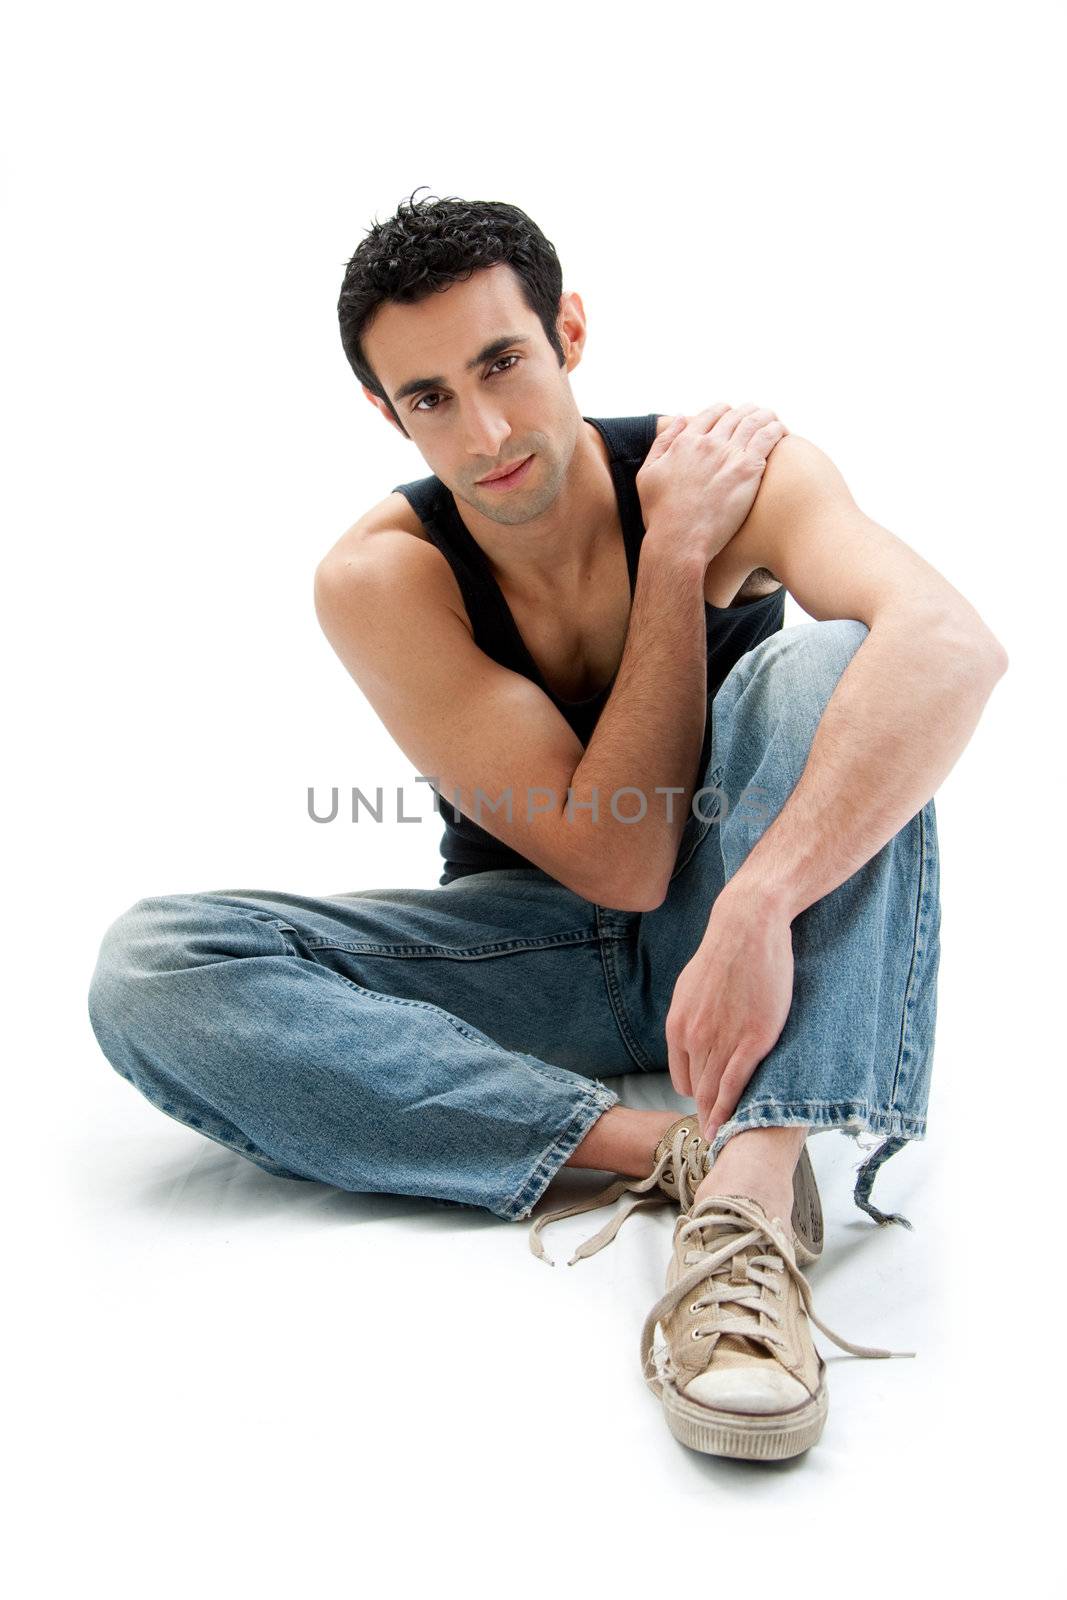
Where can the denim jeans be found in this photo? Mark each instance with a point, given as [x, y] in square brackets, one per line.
[449, 1042]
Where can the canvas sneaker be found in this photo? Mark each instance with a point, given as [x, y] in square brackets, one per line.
[739, 1375]
[679, 1166]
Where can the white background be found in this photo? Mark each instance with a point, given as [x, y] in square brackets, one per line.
[222, 1383]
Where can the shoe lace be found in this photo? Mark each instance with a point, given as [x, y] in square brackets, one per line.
[678, 1173]
[711, 1272]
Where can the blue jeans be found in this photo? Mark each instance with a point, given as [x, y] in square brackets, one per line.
[449, 1042]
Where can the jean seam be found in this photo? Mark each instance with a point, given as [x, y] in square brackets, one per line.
[457, 952]
[706, 823]
[832, 1112]
[618, 1007]
[916, 946]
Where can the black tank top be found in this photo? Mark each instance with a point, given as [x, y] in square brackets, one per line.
[731, 630]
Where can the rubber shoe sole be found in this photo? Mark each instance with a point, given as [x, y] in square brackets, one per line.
[743, 1436]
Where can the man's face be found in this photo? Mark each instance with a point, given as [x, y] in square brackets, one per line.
[498, 392]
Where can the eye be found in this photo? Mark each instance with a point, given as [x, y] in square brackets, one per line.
[418, 406]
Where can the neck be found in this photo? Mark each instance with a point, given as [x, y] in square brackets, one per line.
[554, 551]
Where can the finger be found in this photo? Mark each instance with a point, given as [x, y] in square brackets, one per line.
[678, 1067]
[751, 425]
[724, 428]
[663, 439]
[765, 440]
[706, 1093]
[731, 1085]
[708, 1125]
[705, 420]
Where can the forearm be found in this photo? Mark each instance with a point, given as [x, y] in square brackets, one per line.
[892, 730]
[649, 735]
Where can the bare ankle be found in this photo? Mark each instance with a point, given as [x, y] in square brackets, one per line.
[623, 1140]
[758, 1163]
[776, 1202]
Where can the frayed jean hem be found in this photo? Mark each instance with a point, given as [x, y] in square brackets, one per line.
[821, 1116]
[592, 1105]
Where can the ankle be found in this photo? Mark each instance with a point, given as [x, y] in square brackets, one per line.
[758, 1163]
[776, 1201]
[623, 1140]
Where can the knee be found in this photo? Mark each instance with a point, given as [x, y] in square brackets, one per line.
[138, 940]
[829, 646]
[133, 947]
[153, 951]
[797, 671]
[142, 950]
[814, 657]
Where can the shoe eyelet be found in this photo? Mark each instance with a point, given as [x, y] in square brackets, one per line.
[695, 1306]
[695, 1334]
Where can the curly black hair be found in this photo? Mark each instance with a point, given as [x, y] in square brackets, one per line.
[433, 243]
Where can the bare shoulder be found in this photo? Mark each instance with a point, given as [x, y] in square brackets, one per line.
[394, 513]
[799, 481]
[387, 551]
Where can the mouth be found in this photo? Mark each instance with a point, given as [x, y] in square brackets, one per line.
[507, 480]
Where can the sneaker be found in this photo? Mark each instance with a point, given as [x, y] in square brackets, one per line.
[679, 1166]
[740, 1375]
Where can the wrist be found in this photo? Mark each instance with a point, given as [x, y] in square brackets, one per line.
[754, 902]
[684, 552]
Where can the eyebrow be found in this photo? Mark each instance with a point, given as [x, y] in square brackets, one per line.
[495, 348]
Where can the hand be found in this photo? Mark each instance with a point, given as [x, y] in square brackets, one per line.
[729, 1006]
[697, 483]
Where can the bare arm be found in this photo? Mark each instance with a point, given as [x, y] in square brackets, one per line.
[493, 742]
[649, 734]
[901, 713]
[907, 703]
[697, 486]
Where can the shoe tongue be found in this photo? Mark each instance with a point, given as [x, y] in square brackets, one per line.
[717, 1227]
[734, 1345]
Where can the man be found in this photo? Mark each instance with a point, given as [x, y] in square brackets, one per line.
[573, 628]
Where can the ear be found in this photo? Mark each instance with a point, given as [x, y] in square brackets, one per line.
[570, 324]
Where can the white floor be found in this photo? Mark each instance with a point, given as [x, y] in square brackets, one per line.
[231, 1383]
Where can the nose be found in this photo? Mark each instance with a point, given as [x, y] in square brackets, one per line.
[485, 434]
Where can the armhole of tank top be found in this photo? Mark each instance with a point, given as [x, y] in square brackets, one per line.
[752, 605]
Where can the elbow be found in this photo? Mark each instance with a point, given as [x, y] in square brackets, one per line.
[626, 900]
[990, 657]
[622, 877]
[975, 647]
[633, 892]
